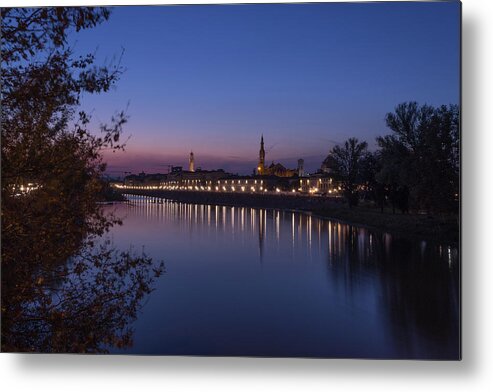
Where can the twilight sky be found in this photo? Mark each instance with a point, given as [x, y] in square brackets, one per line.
[213, 78]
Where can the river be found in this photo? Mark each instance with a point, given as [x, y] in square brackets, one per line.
[255, 282]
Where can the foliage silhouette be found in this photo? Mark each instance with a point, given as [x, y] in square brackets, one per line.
[64, 289]
[347, 163]
[415, 167]
[421, 156]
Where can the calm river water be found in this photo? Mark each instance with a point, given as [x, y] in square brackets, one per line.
[254, 282]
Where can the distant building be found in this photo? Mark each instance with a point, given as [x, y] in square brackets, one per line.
[191, 163]
[190, 180]
[329, 164]
[278, 170]
[261, 158]
[301, 168]
[275, 178]
[319, 183]
[275, 169]
[143, 179]
[253, 184]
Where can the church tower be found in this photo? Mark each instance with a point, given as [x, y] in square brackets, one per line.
[191, 162]
[261, 158]
[301, 168]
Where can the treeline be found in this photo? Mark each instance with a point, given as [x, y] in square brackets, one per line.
[415, 168]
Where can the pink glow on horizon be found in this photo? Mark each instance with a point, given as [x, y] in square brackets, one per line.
[235, 154]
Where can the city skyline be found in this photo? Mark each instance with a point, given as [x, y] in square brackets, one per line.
[184, 162]
[213, 78]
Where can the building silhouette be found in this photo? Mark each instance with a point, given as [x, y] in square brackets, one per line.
[275, 169]
[274, 178]
[301, 167]
[191, 162]
[261, 158]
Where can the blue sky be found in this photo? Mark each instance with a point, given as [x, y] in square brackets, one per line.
[213, 78]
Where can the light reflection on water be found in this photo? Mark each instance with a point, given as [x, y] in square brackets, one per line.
[243, 281]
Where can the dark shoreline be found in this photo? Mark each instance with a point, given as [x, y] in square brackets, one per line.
[443, 228]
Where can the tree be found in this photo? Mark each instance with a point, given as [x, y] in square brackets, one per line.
[374, 190]
[64, 289]
[347, 164]
[421, 156]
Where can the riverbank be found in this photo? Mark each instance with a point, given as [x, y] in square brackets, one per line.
[443, 228]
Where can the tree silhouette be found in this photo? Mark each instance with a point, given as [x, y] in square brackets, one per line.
[63, 289]
[371, 164]
[422, 155]
[347, 164]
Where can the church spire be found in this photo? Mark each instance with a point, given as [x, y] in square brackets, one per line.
[261, 158]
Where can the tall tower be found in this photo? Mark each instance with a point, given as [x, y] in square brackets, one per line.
[191, 162]
[261, 158]
[301, 168]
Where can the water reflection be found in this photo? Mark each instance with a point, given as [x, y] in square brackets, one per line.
[284, 283]
[66, 288]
